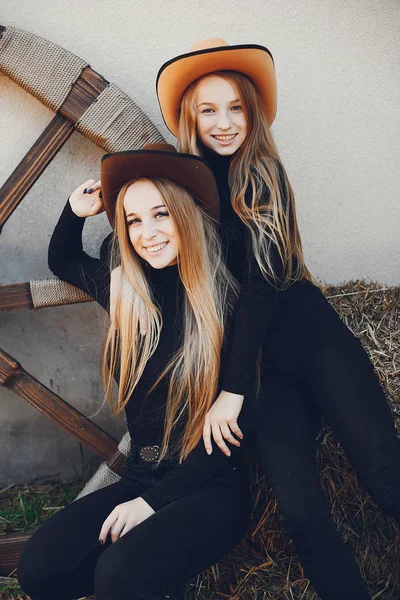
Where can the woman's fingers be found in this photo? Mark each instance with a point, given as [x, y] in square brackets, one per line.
[219, 440]
[95, 187]
[94, 191]
[91, 186]
[105, 528]
[207, 436]
[97, 207]
[87, 185]
[142, 321]
[117, 528]
[234, 427]
[226, 432]
[86, 200]
[127, 527]
[84, 186]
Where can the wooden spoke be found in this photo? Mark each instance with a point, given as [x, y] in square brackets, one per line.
[33, 164]
[117, 462]
[15, 296]
[85, 90]
[15, 378]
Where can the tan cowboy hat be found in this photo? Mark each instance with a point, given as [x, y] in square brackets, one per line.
[158, 160]
[208, 56]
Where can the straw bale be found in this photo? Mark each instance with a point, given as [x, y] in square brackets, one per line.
[265, 565]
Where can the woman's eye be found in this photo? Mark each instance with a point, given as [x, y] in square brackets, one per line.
[206, 111]
[132, 222]
[237, 108]
[161, 213]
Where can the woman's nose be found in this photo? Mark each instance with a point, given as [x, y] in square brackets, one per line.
[224, 121]
[149, 230]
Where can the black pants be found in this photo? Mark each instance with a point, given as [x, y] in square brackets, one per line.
[339, 382]
[63, 559]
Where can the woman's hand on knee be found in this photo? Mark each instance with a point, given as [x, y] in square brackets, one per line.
[221, 422]
[86, 200]
[123, 518]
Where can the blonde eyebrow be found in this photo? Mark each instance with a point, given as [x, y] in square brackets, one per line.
[213, 104]
[152, 208]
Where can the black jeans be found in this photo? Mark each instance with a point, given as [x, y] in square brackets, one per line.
[339, 382]
[63, 559]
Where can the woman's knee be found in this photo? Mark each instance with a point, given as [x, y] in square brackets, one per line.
[44, 565]
[119, 574]
[306, 515]
[35, 573]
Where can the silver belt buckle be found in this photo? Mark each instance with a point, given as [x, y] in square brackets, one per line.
[149, 453]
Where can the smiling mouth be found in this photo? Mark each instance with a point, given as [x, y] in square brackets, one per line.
[225, 138]
[154, 249]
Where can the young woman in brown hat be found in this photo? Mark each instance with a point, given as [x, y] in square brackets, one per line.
[220, 101]
[176, 510]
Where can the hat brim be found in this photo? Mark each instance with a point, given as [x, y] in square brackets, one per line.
[187, 170]
[176, 75]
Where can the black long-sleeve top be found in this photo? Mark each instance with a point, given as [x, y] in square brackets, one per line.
[145, 411]
[286, 324]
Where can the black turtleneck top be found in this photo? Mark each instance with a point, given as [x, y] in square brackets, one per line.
[286, 324]
[145, 411]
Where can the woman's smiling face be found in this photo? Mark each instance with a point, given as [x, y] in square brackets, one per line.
[221, 121]
[150, 227]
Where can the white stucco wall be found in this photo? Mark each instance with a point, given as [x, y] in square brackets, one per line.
[337, 128]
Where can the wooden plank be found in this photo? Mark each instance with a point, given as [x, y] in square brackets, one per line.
[15, 297]
[11, 546]
[8, 367]
[83, 93]
[117, 462]
[33, 164]
[15, 378]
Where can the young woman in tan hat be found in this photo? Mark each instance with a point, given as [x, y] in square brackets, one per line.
[220, 101]
[176, 510]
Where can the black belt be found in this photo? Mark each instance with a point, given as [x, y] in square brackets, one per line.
[147, 454]
[150, 454]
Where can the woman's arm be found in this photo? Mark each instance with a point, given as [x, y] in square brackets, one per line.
[186, 478]
[66, 257]
[255, 308]
[190, 475]
[254, 311]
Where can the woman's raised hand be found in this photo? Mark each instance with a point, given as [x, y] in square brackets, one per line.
[221, 422]
[86, 200]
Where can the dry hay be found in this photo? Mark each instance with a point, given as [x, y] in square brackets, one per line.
[265, 565]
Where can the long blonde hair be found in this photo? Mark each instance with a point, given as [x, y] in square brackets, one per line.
[209, 293]
[261, 194]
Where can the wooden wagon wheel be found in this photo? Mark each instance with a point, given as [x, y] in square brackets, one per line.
[84, 101]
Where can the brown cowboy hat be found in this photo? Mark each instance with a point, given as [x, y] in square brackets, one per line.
[208, 56]
[158, 160]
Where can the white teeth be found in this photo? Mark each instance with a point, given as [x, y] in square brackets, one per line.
[156, 248]
[225, 138]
